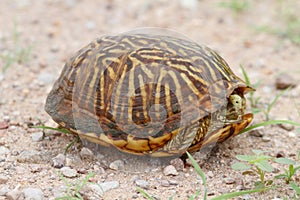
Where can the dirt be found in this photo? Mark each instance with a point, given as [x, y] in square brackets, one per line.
[56, 29]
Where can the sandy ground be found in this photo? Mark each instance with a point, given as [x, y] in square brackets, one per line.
[55, 29]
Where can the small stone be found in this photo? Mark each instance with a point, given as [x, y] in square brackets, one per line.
[96, 191]
[178, 164]
[86, 154]
[229, 180]
[266, 139]
[173, 182]
[59, 161]
[90, 25]
[256, 133]
[4, 125]
[284, 81]
[46, 78]
[280, 154]
[33, 194]
[68, 172]
[287, 127]
[69, 162]
[3, 150]
[142, 184]
[30, 156]
[109, 185]
[13, 194]
[117, 165]
[190, 4]
[4, 190]
[3, 179]
[170, 170]
[165, 183]
[210, 174]
[6, 118]
[292, 134]
[37, 137]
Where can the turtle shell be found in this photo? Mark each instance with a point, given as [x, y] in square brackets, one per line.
[145, 94]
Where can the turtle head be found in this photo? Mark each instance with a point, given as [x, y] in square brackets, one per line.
[235, 108]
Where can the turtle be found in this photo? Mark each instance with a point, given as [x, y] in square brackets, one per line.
[149, 94]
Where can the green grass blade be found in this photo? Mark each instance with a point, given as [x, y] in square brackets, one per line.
[145, 194]
[63, 130]
[239, 193]
[197, 168]
[269, 123]
[246, 77]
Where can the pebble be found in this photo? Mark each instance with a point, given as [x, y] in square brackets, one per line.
[284, 81]
[37, 137]
[3, 150]
[4, 190]
[86, 154]
[13, 194]
[287, 127]
[170, 170]
[90, 25]
[46, 78]
[117, 165]
[33, 193]
[178, 164]
[109, 185]
[59, 161]
[68, 172]
[280, 154]
[190, 4]
[96, 191]
[256, 133]
[266, 139]
[229, 180]
[6, 118]
[4, 125]
[165, 183]
[142, 184]
[210, 174]
[292, 134]
[30, 156]
[3, 179]
[173, 182]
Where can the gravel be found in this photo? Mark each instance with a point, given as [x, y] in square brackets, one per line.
[86, 154]
[4, 150]
[142, 184]
[117, 165]
[33, 193]
[37, 137]
[68, 172]
[3, 179]
[30, 156]
[170, 170]
[59, 161]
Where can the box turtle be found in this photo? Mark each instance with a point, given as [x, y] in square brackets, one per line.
[149, 94]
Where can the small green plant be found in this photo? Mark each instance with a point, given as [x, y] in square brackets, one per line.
[18, 54]
[237, 6]
[257, 164]
[290, 172]
[73, 189]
